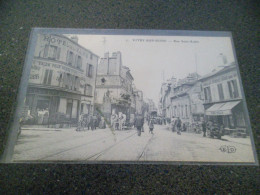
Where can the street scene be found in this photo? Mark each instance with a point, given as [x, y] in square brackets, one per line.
[103, 145]
[133, 98]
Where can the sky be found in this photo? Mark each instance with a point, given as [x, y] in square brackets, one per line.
[154, 59]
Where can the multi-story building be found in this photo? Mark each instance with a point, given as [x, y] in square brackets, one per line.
[165, 97]
[223, 98]
[186, 101]
[62, 78]
[138, 101]
[114, 83]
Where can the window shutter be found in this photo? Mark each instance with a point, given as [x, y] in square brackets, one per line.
[230, 90]
[235, 89]
[45, 54]
[50, 77]
[58, 54]
[45, 76]
[67, 59]
[75, 61]
[87, 68]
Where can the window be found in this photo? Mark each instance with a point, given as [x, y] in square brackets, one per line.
[233, 90]
[220, 92]
[89, 71]
[186, 111]
[66, 80]
[207, 93]
[88, 90]
[70, 56]
[76, 84]
[51, 52]
[47, 77]
[79, 62]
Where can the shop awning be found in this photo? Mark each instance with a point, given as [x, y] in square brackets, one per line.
[221, 108]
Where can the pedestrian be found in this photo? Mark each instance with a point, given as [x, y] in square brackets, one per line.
[102, 124]
[184, 127]
[94, 119]
[139, 124]
[114, 119]
[90, 122]
[120, 120]
[204, 129]
[178, 124]
[173, 123]
[151, 126]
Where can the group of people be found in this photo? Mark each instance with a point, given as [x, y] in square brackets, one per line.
[118, 121]
[90, 121]
[139, 124]
[176, 125]
[41, 117]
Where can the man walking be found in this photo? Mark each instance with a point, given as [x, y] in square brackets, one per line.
[204, 129]
[178, 124]
[139, 124]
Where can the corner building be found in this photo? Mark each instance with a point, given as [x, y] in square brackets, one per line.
[223, 100]
[62, 78]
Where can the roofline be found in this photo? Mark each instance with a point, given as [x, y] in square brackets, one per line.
[227, 68]
[61, 35]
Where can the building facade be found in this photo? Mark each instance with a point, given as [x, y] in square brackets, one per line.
[165, 97]
[223, 99]
[186, 100]
[114, 82]
[62, 78]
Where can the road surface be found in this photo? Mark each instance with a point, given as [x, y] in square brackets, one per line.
[107, 145]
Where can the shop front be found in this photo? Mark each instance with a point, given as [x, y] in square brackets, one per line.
[229, 115]
[50, 106]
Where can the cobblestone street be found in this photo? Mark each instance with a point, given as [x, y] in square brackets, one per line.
[107, 145]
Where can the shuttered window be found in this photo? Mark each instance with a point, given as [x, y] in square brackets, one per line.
[47, 77]
[220, 92]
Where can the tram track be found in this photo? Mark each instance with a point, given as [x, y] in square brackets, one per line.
[54, 142]
[82, 145]
[75, 147]
[142, 153]
[107, 149]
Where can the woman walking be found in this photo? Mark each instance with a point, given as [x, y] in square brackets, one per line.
[151, 126]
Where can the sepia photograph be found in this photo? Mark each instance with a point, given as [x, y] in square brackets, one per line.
[131, 96]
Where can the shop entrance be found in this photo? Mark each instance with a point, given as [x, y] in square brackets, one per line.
[69, 109]
[43, 103]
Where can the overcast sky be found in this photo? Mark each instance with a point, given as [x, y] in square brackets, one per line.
[173, 55]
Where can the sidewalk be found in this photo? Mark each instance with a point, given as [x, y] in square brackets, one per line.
[244, 141]
[45, 128]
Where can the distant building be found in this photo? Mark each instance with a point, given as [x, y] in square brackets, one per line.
[138, 101]
[114, 86]
[62, 78]
[152, 109]
[165, 97]
[223, 99]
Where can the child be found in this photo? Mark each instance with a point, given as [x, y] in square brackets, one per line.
[151, 126]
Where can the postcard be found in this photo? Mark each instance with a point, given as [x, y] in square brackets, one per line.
[131, 96]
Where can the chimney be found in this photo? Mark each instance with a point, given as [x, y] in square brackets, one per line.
[75, 39]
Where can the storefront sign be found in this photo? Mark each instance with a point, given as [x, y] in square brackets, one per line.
[63, 42]
[218, 112]
[37, 63]
[49, 92]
